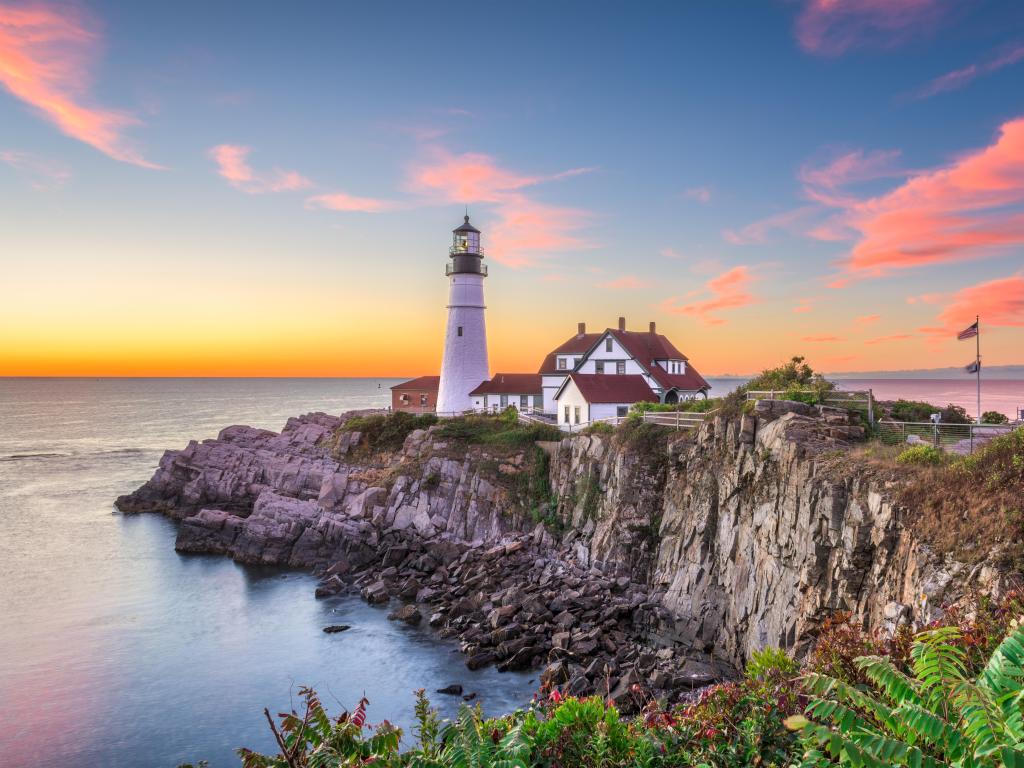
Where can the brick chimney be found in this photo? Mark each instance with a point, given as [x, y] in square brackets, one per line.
[653, 327]
[622, 323]
[581, 329]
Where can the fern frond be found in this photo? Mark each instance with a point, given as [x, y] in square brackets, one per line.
[897, 686]
[1004, 671]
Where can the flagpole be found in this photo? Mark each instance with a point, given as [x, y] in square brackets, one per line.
[977, 358]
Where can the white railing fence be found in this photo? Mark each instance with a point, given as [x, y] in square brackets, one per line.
[955, 438]
[674, 419]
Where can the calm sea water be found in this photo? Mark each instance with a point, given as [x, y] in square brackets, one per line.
[117, 651]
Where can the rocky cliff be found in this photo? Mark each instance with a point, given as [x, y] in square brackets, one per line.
[659, 556]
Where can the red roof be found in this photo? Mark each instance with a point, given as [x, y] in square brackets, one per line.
[423, 383]
[611, 388]
[576, 345]
[510, 384]
[646, 347]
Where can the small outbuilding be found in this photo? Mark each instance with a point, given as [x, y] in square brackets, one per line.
[417, 395]
[520, 390]
[586, 397]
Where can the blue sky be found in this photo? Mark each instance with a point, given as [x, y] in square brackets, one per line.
[646, 159]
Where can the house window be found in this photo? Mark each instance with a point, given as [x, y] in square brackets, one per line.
[599, 366]
[621, 410]
[576, 414]
[404, 398]
[567, 414]
[460, 330]
[620, 367]
[608, 344]
[423, 400]
[576, 361]
[524, 402]
[485, 402]
[538, 402]
[561, 363]
[504, 401]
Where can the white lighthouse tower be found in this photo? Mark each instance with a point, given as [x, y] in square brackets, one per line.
[464, 364]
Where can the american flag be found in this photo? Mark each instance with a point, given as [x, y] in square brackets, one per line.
[969, 332]
[973, 367]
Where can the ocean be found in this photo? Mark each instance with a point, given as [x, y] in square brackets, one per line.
[117, 651]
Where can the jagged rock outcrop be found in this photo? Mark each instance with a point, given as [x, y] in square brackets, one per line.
[744, 533]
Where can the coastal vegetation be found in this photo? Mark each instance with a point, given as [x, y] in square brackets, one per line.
[952, 695]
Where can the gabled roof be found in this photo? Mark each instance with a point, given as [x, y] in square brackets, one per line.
[576, 345]
[423, 383]
[610, 388]
[510, 384]
[646, 347]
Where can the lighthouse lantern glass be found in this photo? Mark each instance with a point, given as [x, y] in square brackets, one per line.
[467, 242]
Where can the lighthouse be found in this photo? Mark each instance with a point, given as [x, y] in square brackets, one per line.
[464, 364]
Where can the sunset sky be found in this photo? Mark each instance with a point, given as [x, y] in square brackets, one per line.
[201, 188]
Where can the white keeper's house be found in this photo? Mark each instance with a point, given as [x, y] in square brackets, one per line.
[590, 376]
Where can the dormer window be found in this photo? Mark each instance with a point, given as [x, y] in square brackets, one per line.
[561, 363]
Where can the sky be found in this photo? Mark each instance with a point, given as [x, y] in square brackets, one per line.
[268, 189]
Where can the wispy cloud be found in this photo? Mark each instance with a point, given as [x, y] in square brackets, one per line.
[864, 320]
[626, 282]
[728, 291]
[46, 54]
[833, 27]
[958, 78]
[341, 201]
[1000, 303]
[888, 339]
[969, 209]
[805, 305]
[42, 172]
[822, 339]
[793, 221]
[233, 164]
[526, 228]
[700, 194]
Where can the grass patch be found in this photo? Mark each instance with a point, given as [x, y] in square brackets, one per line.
[501, 430]
[387, 432]
[970, 506]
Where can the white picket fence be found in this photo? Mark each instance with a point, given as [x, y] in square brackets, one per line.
[673, 419]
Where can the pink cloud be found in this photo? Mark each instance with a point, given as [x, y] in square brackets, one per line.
[526, 228]
[863, 320]
[1000, 303]
[969, 209]
[805, 305]
[233, 164]
[821, 339]
[341, 201]
[700, 194]
[730, 290]
[833, 27]
[626, 282]
[794, 221]
[852, 167]
[46, 53]
[43, 172]
[891, 338]
[958, 78]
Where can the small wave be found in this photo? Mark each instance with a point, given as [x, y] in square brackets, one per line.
[23, 456]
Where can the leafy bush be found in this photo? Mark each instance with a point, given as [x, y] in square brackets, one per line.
[921, 454]
[938, 715]
[954, 414]
[599, 428]
[697, 405]
[792, 377]
[911, 410]
[770, 661]
[994, 417]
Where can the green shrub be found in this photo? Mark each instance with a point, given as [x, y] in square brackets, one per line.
[994, 417]
[697, 405]
[911, 410]
[938, 714]
[769, 661]
[921, 454]
[503, 429]
[791, 377]
[599, 428]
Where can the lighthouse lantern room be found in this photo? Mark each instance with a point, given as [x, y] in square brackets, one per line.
[464, 364]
